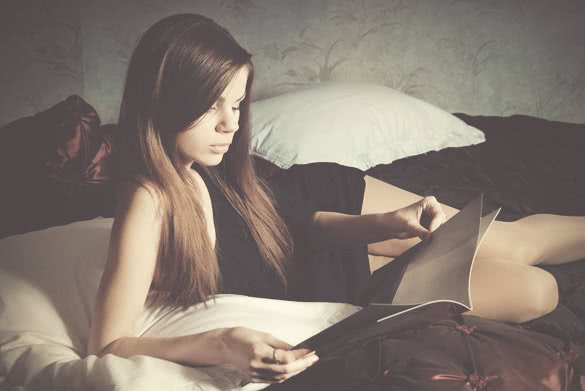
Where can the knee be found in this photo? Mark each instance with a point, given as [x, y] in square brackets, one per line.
[543, 296]
[527, 253]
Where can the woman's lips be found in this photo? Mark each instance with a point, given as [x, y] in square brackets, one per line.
[219, 148]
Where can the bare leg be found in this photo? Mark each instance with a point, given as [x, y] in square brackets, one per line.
[536, 239]
[511, 291]
[505, 258]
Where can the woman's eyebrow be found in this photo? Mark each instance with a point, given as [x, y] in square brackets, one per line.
[221, 99]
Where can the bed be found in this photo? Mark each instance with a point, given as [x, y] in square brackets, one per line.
[57, 215]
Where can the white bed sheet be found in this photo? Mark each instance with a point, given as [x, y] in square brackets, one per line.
[48, 281]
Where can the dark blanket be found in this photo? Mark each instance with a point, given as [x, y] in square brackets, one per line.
[526, 165]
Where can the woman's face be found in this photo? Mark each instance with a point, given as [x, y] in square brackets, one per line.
[208, 139]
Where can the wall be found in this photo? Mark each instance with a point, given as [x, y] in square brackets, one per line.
[491, 57]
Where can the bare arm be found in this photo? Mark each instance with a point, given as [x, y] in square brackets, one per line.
[130, 267]
[416, 220]
[129, 271]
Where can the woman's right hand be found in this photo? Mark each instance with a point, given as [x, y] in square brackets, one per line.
[261, 357]
[419, 219]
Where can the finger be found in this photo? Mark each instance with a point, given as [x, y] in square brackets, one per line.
[258, 379]
[293, 367]
[433, 210]
[437, 221]
[277, 378]
[419, 231]
[270, 377]
[282, 352]
[288, 356]
[277, 343]
[438, 216]
[279, 356]
[276, 350]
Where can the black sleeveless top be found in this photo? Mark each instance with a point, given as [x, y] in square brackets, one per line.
[243, 270]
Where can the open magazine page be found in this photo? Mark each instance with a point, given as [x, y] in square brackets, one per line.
[435, 282]
[440, 269]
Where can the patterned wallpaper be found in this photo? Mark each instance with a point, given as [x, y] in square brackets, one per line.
[490, 57]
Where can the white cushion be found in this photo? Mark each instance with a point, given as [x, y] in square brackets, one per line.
[352, 124]
[48, 283]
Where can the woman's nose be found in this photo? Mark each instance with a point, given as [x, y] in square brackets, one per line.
[228, 122]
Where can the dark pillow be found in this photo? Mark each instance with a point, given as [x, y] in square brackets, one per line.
[55, 168]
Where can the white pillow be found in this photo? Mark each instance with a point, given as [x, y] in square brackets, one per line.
[48, 283]
[352, 124]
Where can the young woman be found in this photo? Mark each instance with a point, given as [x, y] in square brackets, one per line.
[185, 121]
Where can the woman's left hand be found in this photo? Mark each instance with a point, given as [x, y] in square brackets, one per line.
[415, 220]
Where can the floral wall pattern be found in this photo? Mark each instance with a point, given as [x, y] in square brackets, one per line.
[489, 57]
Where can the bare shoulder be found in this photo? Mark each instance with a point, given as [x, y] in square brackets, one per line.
[138, 197]
[138, 214]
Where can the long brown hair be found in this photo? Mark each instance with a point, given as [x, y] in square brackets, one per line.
[179, 68]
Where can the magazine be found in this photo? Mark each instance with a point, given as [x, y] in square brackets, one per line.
[435, 281]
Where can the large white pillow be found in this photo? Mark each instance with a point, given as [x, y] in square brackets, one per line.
[353, 124]
[48, 283]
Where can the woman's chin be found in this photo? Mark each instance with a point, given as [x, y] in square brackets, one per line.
[212, 160]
